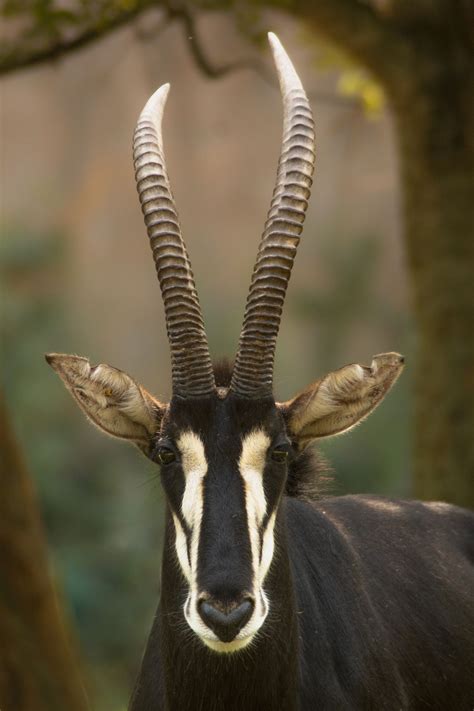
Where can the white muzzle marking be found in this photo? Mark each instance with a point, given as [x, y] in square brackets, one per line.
[251, 467]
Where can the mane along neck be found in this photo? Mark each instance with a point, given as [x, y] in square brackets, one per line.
[264, 675]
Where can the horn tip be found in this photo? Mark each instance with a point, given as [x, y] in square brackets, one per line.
[273, 39]
[276, 46]
[286, 72]
[156, 102]
[160, 95]
[162, 90]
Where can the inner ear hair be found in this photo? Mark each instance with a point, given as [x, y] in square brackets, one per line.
[340, 400]
[112, 400]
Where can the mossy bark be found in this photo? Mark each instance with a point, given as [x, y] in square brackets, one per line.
[435, 119]
[38, 670]
[422, 54]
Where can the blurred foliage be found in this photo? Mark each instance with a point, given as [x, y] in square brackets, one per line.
[100, 500]
[349, 308]
[357, 83]
[354, 81]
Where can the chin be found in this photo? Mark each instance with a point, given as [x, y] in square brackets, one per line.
[227, 647]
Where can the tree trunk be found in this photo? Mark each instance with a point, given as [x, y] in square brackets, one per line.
[435, 118]
[37, 668]
[422, 54]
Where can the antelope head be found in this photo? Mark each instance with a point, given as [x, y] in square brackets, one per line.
[225, 447]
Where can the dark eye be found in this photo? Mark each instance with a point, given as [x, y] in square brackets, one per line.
[279, 454]
[165, 456]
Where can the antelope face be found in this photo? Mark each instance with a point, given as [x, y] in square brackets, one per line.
[224, 463]
[223, 468]
[224, 452]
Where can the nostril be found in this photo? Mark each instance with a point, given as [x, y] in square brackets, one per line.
[226, 623]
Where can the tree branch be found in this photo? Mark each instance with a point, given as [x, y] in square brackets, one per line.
[354, 24]
[14, 59]
[188, 22]
[357, 20]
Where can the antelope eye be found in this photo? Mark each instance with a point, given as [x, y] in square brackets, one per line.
[165, 456]
[279, 454]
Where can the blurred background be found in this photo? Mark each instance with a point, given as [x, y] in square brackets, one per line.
[78, 277]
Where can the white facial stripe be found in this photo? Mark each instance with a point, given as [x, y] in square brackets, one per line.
[192, 497]
[195, 469]
[251, 466]
[192, 452]
[268, 547]
[182, 548]
[194, 465]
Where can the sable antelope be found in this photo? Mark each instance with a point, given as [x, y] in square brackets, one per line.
[271, 598]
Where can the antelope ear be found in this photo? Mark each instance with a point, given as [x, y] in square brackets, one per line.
[110, 399]
[341, 400]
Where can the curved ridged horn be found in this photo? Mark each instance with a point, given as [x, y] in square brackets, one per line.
[192, 372]
[253, 371]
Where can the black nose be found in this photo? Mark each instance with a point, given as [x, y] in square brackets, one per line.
[227, 621]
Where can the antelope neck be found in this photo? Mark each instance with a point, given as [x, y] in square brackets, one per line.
[264, 675]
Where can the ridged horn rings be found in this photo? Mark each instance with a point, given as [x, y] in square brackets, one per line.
[192, 372]
[253, 371]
